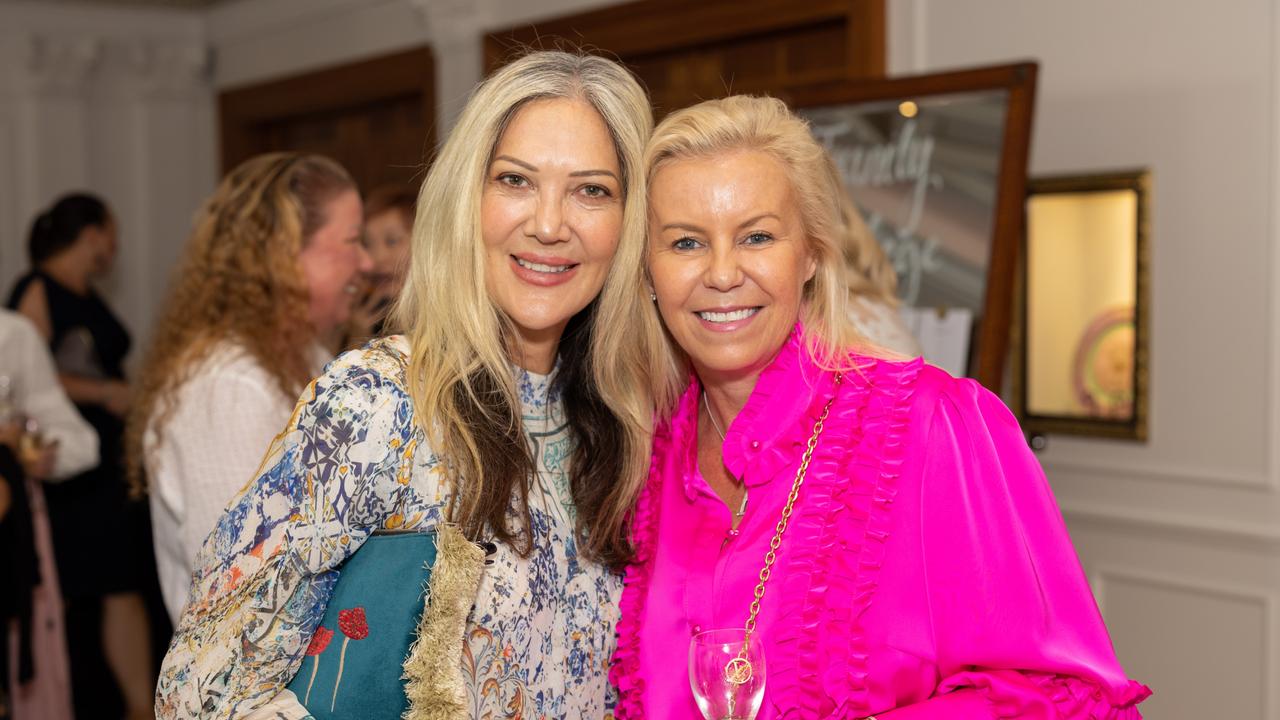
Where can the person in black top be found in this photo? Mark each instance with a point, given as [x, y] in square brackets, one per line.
[101, 537]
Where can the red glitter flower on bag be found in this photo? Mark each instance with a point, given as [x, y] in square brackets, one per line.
[319, 641]
[353, 623]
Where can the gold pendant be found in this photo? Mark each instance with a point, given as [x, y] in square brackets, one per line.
[738, 671]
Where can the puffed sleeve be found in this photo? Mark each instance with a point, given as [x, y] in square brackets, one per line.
[1016, 629]
[266, 572]
[41, 397]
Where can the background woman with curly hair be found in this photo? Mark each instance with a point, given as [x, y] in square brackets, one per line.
[271, 266]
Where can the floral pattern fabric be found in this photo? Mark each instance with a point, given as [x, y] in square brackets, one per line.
[351, 461]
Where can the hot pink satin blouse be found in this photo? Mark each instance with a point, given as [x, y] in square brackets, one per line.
[926, 572]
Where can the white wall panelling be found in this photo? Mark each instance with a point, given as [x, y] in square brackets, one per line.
[1167, 526]
[116, 101]
[1213, 621]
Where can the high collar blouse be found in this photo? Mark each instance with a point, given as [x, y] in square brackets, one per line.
[926, 571]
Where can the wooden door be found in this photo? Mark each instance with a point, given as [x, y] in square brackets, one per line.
[691, 51]
[376, 117]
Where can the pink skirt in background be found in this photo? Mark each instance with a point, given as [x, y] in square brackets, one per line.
[47, 696]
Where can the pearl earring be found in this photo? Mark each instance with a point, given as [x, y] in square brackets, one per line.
[653, 297]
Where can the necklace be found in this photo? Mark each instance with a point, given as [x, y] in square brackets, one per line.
[742, 508]
[738, 670]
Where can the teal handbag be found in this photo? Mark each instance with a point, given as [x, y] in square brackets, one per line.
[352, 668]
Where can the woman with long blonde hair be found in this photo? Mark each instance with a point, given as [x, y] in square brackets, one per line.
[871, 537]
[510, 408]
[269, 269]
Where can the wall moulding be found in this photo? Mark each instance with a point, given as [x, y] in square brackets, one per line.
[164, 69]
[1228, 534]
[1266, 599]
[58, 64]
[1067, 470]
[80, 65]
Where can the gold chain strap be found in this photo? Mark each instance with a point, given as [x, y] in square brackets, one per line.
[739, 669]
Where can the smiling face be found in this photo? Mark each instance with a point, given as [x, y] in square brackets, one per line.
[386, 239]
[728, 259]
[332, 260]
[550, 217]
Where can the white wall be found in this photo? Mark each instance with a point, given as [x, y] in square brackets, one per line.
[1181, 536]
[258, 40]
[117, 102]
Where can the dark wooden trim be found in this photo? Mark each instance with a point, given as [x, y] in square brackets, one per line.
[390, 76]
[1019, 80]
[642, 27]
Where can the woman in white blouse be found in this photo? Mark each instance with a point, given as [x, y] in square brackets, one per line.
[30, 392]
[271, 266]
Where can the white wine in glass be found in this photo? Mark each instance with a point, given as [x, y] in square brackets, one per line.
[727, 673]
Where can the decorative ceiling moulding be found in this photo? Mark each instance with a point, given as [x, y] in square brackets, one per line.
[170, 4]
[158, 68]
[86, 65]
[59, 65]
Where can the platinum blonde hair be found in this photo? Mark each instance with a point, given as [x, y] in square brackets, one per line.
[840, 242]
[458, 335]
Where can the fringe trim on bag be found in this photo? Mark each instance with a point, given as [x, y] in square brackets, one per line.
[433, 668]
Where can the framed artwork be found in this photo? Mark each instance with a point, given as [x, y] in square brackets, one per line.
[937, 164]
[1085, 311]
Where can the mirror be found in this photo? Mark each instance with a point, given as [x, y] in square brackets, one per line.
[937, 165]
[1086, 306]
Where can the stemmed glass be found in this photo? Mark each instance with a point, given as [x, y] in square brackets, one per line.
[727, 673]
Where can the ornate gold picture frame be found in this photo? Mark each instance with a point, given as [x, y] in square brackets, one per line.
[1085, 307]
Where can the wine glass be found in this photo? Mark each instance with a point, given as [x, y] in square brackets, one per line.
[727, 673]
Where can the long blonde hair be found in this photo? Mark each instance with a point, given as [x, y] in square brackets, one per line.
[239, 280]
[840, 242]
[460, 376]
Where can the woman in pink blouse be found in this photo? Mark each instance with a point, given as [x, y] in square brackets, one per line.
[925, 571]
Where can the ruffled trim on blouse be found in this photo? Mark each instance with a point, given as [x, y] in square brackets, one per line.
[625, 673]
[837, 540]
[1072, 698]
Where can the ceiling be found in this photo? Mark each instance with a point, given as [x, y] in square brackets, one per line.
[181, 4]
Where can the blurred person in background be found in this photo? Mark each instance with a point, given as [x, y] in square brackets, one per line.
[72, 244]
[42, 438]
[388, 227]
[873, 287]
[273, 264]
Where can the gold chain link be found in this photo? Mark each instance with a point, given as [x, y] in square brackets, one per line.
[772, 555]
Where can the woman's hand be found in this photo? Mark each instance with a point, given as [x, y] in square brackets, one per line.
[38, 458]
[11, 436]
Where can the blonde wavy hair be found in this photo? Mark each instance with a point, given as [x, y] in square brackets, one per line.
[239, 280]
[460, 372]
[849, 260]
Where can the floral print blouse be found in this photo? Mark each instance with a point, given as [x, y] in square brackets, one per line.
[351, 461]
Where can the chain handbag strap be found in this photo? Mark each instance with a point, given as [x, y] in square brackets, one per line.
[738, 671]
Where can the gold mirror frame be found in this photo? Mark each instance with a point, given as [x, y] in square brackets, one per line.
[1134, 426]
